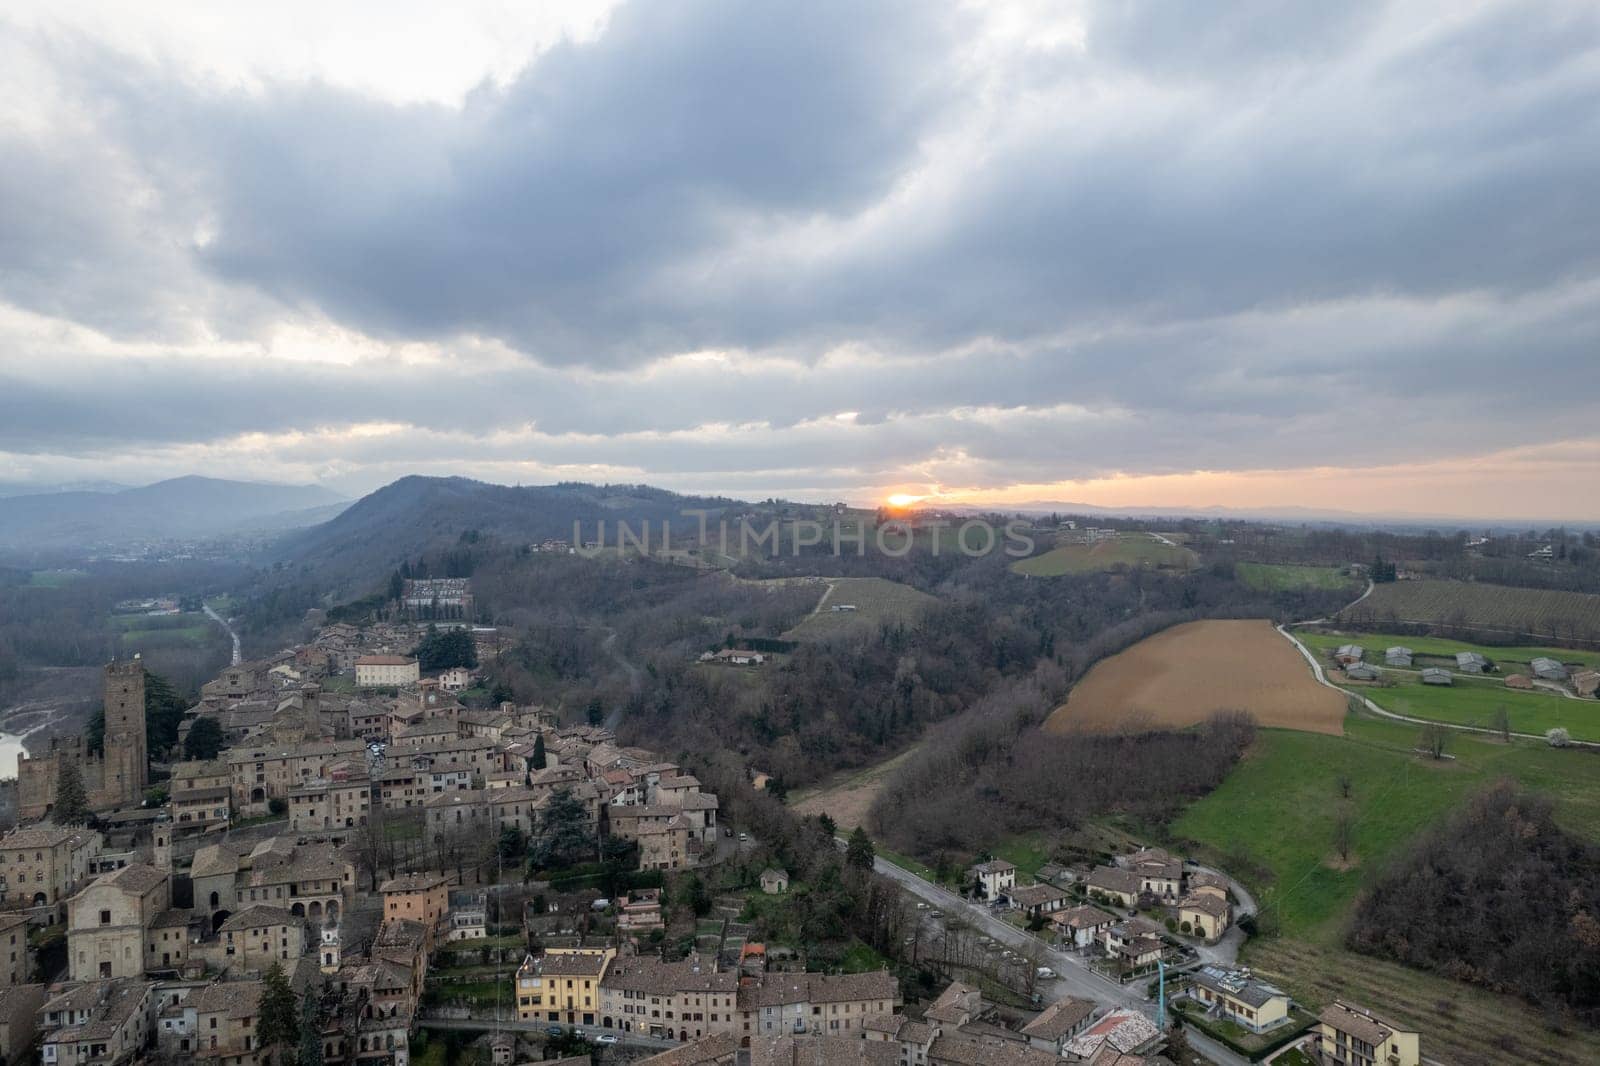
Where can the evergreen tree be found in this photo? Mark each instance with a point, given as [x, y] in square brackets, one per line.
[310, 1032]
[204, 740]
[859, 852]
[72, 802]
[595, 713]
[278, 1024]
[539, 759]
[564, 834]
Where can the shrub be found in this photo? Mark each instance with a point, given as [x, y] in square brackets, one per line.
[1558, 737]
[1186, 927]
[278, 805]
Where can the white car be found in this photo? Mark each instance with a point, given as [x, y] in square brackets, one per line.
[921, 906]
[606, 1038]
[1046, 972]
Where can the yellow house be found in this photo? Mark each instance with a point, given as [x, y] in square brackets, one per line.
[563, 986]
[1205, 914]
[1354, 1036]
[1253, 1004]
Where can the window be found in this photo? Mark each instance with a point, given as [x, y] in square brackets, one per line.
[105, 917]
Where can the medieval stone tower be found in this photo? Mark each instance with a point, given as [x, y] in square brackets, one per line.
[115, 778]
[127, 771]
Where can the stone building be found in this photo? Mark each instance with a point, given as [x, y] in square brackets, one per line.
[117, 776]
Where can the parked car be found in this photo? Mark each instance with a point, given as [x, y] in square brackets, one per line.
[1047, 973]
[554, 1030]
[606, 1038]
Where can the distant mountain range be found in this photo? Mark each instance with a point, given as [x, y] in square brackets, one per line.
[400, 520]
[185, 508]
[1288, 514]
[28, 488]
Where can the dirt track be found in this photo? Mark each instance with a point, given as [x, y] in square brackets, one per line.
[1185, 674]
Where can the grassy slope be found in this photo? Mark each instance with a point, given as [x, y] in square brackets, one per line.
[1278, 808]
[1475, 702]
[1272, 820]
[1084, 558]
[1274, 577]
[876, 600]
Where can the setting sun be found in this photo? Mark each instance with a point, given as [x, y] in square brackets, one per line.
[902, 499]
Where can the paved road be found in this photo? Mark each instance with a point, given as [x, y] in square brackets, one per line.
[489, 1025]
[223, 622]
[1075, 978]
[1322, 679]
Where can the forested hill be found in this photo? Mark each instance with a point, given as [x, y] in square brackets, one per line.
[405, 518]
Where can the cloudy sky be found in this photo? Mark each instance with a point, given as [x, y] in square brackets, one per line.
[1334, 255]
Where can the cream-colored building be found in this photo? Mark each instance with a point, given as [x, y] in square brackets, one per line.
[1354, 1036]
[108, 922]
[832, 1004]
[259, 936]
[377, 671]
[330, 804]
[683, 1000]
[1239, 998]
[42, 865]
[1206, 916]
[258, 774]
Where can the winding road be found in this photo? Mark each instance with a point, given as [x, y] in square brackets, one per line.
[223, 622]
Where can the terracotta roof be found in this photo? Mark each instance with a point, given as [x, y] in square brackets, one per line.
[385, 660]
[712, 1049]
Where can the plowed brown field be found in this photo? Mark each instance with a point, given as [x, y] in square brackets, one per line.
[1185, 674]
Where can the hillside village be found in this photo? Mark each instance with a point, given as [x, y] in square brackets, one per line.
[363, 842]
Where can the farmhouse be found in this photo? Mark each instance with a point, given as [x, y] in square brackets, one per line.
[1235, 996]
[1547, 669]
[1159, 873]
[1349, 653]
[995, 878]
[1587, 683]
[1081, 926]
[1397, 656]
[1362, 672]
[1470, 662]
[1120, 885]
[1347, 1033]
[735, 657]
[1435, 675]
[774, 881]
[1205, 914]
[1038, 900]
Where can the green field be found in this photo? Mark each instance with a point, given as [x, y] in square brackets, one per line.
[144, 631]
[1474, 703]
[1128, 549]
[875, 599]
[1511, 660]
[1271, 824]
[1518, 613]
[1027, 852]
[1276, 577]
[54, 579]
[1272, 821]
